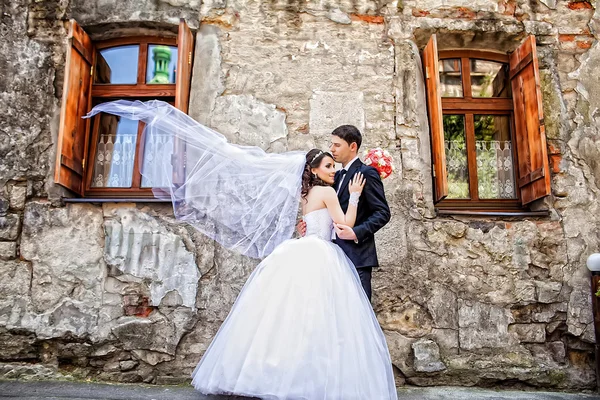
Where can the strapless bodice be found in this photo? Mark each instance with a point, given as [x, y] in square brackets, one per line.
[319, 223]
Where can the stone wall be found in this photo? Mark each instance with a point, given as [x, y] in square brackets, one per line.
[123, 292]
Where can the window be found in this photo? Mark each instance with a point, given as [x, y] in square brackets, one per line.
[487, 131]
[102, 157]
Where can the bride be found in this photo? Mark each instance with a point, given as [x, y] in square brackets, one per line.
[302, 327]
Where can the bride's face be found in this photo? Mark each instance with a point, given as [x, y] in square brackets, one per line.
[326, 170]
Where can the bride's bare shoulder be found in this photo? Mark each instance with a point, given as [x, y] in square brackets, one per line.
[322, 190]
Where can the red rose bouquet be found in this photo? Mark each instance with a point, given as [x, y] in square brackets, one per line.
[381, 160]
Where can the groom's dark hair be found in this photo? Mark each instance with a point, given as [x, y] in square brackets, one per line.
[349, 133]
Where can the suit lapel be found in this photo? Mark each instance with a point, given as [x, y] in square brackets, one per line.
[336, 180]
[353, 168]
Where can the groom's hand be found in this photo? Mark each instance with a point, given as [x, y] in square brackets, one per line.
[301, 228]
[345, 232]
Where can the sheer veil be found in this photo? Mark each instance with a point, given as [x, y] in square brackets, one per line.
[240, 196]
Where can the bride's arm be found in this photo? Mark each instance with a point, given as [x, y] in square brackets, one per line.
[333, 204]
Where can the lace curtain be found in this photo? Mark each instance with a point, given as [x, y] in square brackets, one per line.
[158, 149]
[115, 155]
[458, 170]
[495, 169]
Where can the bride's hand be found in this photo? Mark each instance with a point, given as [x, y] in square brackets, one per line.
[357, 183]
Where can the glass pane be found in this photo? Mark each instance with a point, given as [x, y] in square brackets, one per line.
[489, 79]
[495, 168]
[115, 154]
[162, 61]
[456, 157]
[117, 64]
[156, 165]
[451, 78]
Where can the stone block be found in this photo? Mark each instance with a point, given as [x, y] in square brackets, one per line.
[442, 306]
[328, 110]
[16, 278]
[18, 195]
[128, 365]
[4, 205]
[18, 346]
[10, 225]
[529, 333]
[558, 351]
[336, 15]
[244, 120]
[484, 325]
[134, 12]
[157, 334]
[8, 250]
[28, 372]
[447, 340]
[427, 356]
[152, 357]
[400, 352]
[548, 292]
[64, 246]
[408, 318]
[137, 245]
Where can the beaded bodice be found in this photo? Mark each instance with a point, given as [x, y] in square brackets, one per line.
[319, 223]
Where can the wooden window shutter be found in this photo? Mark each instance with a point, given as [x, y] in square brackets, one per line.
[533, 173]
[73, 131]
[185, 52]
[434, 111]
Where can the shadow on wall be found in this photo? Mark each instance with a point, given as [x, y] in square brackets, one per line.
[504, 42]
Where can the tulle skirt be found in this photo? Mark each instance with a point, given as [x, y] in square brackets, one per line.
[301, 328]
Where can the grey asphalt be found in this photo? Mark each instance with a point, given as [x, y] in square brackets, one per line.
[44, 390]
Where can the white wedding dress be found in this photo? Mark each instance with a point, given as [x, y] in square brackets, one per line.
[301, 328]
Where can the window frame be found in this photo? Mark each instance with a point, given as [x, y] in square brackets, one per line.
[531, 166]
[140, 90]
[123, 90]
[78, 138]
[469, 106]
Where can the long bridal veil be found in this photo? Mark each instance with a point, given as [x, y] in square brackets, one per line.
[240, 196]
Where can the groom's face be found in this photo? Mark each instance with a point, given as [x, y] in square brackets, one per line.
[340, 150]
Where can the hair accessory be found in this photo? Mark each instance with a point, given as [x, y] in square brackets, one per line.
[315, 157]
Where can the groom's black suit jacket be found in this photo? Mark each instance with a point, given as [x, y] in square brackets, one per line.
[372, 214]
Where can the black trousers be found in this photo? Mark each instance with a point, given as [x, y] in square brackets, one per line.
[365, 279]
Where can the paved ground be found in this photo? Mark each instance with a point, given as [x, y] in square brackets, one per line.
[95, 391]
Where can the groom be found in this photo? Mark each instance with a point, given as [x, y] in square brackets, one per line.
[373, 211]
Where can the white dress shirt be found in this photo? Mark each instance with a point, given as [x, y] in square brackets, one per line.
[347, 167]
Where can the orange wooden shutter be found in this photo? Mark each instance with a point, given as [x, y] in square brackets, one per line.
[434, 111]
[185, 51]
[73, 131]
[533, 173]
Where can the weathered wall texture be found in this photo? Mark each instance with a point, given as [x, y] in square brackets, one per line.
[123, 292]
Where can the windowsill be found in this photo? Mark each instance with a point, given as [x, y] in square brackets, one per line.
[492, 213]
[113, 200]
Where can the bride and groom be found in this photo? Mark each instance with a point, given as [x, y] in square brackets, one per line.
[373, 212]
[302, 327]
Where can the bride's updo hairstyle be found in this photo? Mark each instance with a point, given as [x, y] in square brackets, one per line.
[313, 160]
